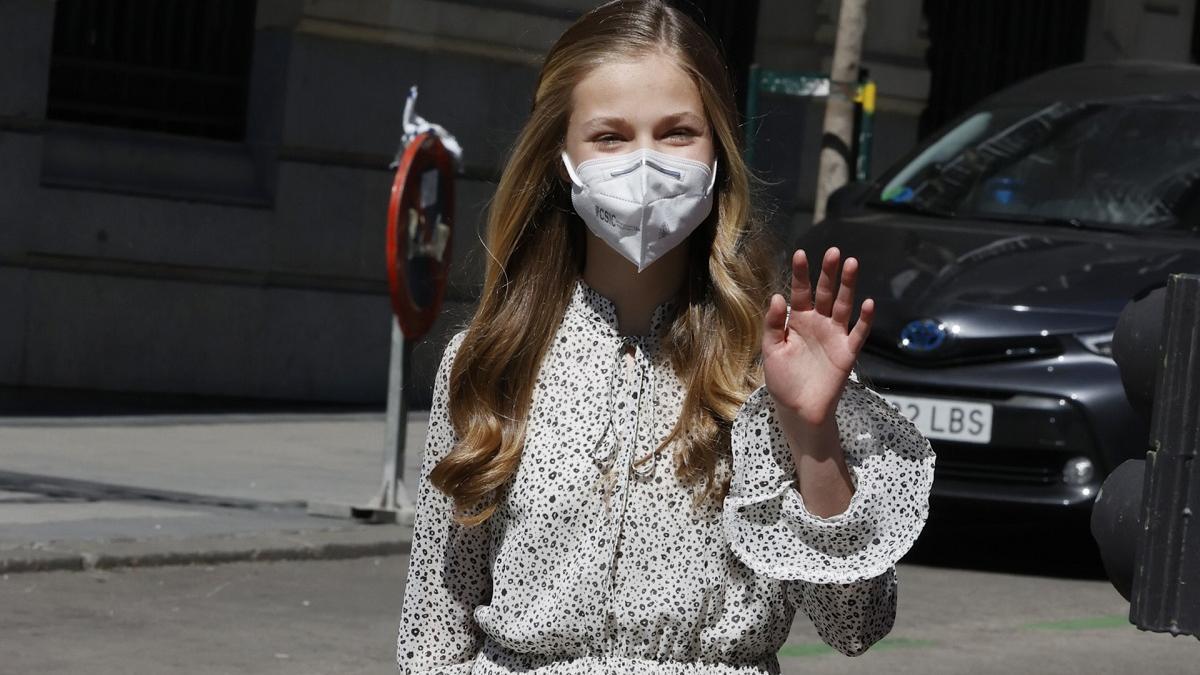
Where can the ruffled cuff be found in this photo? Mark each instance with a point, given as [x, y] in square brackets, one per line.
[767, 524]
[452, 669]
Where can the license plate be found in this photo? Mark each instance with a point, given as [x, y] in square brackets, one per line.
[946, 419]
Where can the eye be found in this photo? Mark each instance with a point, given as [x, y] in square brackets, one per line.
[606, 139]
[682, 134]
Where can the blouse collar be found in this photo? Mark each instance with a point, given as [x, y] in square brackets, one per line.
[596, 310]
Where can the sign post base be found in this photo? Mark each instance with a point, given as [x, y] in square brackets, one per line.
[392, 504]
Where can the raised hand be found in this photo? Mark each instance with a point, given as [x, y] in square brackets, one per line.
[807, 356]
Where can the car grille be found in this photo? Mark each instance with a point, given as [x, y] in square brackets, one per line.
[969, 351]
[992, 464]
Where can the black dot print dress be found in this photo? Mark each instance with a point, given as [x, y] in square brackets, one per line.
[595, 561]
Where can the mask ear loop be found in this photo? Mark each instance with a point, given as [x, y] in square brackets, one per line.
[713, 181]
[571, 170]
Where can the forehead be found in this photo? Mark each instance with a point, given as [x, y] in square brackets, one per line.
[641, 89]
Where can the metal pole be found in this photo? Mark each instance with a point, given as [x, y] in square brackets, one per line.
[393, 496]
[866, 132]
[1166, 584]
[752, 114]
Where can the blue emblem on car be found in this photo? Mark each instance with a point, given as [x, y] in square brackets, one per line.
[922, 335]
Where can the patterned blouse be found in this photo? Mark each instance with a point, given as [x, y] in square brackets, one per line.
[595, 562]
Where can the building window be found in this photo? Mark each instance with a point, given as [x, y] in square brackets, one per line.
[1196, 33]
[979, 47]
[175, 66]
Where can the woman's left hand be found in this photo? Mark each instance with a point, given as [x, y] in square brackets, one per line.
[807, 360]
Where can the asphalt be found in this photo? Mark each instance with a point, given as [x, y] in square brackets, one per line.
[100, 514]
[119, 490]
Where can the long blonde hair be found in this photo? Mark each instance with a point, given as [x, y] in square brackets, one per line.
[536, 246]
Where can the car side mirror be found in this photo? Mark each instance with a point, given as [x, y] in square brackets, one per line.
[846, 197]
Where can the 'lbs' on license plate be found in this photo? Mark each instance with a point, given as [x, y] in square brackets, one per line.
[946, 419]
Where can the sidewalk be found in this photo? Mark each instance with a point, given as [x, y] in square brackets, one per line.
[82, 492]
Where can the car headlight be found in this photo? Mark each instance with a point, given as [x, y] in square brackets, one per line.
[1097, 343]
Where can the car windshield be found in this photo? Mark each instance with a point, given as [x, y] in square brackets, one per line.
[1128, 164]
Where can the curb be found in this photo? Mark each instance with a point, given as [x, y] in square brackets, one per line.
[335, 544]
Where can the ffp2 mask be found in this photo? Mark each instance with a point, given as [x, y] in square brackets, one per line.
[642, 203]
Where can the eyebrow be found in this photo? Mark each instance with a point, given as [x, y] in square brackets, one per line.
[685, 116]
[597, 122]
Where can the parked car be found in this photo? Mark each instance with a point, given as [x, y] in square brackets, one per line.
[1000, 253]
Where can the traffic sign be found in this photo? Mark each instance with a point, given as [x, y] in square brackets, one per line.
[420, 223]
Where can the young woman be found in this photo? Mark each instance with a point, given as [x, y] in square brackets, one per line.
[640, 459]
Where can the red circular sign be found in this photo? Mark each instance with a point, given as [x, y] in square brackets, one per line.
[419, 229]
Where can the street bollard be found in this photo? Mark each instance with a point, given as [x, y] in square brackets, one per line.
[1166, 583]
[1144, 521]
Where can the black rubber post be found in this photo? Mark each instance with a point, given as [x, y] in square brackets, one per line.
[1166, 581]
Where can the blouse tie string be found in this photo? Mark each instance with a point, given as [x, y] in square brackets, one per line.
[607, 445]
[643, 407]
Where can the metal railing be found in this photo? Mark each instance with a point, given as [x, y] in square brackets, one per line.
[808, 85]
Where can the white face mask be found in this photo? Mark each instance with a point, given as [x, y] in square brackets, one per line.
[642, 203]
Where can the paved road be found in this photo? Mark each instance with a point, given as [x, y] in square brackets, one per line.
[983, 593]
[340, 617]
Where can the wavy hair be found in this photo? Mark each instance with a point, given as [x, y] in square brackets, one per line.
[536, 246]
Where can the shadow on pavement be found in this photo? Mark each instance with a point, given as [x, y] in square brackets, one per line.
[1035, 542]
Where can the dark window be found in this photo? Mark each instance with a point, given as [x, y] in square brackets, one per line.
[734, 27]
[176, 66]
[1196, 33]
[982, 46]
